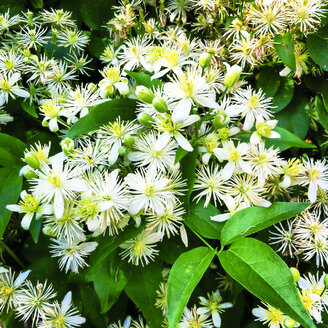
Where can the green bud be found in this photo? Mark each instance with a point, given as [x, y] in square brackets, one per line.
[92, 87]
[145, 119]
[289, 323]
[144, 94]
[45, 123]
[204, 59]
[325, 280]
[159, 104]
[295, 273]
[67, 146]
[221, 120]
[29, 174]
[232, 75]
[122, 151]
[47, 230]
[129, 141]
[32, 160]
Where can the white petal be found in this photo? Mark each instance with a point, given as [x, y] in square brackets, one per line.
[216, 319]
[228, 170]
[183, 142]
[162, 141]
[113, 154]
[59, 204]
[221, 217]
[66, 302]
[312, 193]
[255, 138]
[26, 221]
[181, 110]
[20, 279]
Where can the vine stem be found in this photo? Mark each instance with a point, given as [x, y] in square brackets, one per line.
[11, 253]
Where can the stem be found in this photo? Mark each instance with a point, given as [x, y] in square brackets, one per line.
[203, 240]
[11, 253]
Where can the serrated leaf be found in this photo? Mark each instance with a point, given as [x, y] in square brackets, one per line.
[287, 140]
[144, 79]
[185, 274]
[104, 113]
[141, 289]
[199, 220]
[253, 219]
[284, 46]
[261, 271]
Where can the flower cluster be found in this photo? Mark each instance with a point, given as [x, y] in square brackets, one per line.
[35, 303]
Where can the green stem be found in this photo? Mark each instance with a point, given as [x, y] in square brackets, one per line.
[11, 253]
[203, 240]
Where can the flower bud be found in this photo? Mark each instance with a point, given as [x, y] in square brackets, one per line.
[32, 160]
[221, 120]
[295, 273]
[29, 174]
[289, 323]
[92, 87]
[204, 59]
[129, 141]
[159, 104]
[232, 75]
[67, 146]
[47, 230]
[145, 119]
[325, 280]
[122, 151]
[144, 94]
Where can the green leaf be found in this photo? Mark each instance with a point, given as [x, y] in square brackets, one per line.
[284, 46]
[188, 170]
[322, 113]
[29, 109]
[104, 113]
[37, 4]
[106, 245]
[294, 117]
[287, 140]
[108, 279]
[317, 46]
[269, 81]
[199, 220]
[179, 155]
[253, 219]
[35, 229]
[261, 271]
[185, 274]
[10, 188]
[141, 289]
[144, 79]
[96, 13]
[12, 145]
[284, 94]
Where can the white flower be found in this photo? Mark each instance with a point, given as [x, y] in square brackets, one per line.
[213, 306]
[170, 129]
[34, 301]
[264, 163]
[109, 199]
[51, 110]
[210, 183]
[72, 253]
[235, 156]
[30, 205]
[252, 105]
[315, 175]
[317, 248]
[58, 183]
[146, 155]
[62, 315]
[113, 135]
[244, 189]
[149, 190]
[8, 88]
[187, 90]
[191, 318]
[140, 249]
[10, 288]
[264, 129]
[271, 316]
[315, 285]
[312, 303]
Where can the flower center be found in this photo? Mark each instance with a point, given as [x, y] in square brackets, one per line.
[29, 204]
